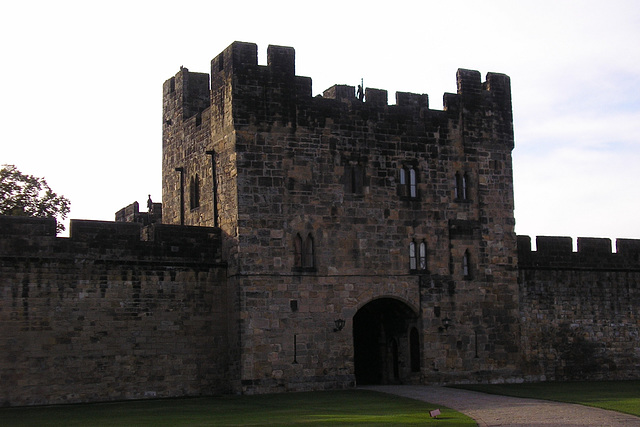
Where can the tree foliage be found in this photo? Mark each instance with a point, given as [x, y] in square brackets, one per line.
[27, 195]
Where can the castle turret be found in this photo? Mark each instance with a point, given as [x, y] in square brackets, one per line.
[185, 135]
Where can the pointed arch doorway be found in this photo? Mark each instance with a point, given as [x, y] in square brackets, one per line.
[384, 334]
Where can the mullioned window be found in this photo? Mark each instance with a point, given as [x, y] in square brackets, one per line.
[408, 182]
[417, 256]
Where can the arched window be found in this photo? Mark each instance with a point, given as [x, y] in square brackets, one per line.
[466, 264]
[308, 257]
[412, 256]
[297, 248]
[354, 177]
[304, 253]
[422, 256]
[194, 192]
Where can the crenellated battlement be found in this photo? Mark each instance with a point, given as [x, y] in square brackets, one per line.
[186, 92]
[554, 252]
[244, 93]
[22, 237]
[470, 83]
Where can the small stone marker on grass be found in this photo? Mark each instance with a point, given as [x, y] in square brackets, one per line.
[434, 413]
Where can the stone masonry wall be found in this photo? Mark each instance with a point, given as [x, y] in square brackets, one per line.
[327, 170]
[332, 171]
[186, 133]
[289, 331]
[104, 315]
[580, 311]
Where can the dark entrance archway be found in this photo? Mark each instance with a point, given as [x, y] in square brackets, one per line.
[382, 351]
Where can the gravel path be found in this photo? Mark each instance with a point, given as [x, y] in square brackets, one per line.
[493, 410]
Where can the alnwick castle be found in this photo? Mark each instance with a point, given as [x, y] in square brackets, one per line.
[310, 243]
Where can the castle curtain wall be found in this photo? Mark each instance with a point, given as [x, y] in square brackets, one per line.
[104, 316]
[580, 310]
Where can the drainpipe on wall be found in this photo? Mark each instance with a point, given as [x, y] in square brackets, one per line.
[181, 170]
[215, 187]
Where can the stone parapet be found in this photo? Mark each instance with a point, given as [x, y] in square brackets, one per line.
[592, 254]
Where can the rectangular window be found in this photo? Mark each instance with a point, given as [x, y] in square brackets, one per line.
[413, 188]
[423, 256]
[412, 255]
[417, 256]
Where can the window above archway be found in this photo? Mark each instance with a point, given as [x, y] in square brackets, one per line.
[304, 253]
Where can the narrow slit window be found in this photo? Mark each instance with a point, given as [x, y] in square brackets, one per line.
[461, 188]
[308, 258]
[194, 192]
[297, 248]
[466, 264]
[464, 187]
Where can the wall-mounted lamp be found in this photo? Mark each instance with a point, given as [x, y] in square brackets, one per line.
[446, 322]
[339, 325]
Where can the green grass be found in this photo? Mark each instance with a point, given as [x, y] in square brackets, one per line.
[349, 407]
[622, 396]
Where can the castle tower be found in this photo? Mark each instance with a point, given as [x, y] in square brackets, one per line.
[367, 242]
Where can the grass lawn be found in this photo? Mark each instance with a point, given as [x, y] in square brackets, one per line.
[348, 407]
[622, 396]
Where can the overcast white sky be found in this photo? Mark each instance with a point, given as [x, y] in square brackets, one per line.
[81, 102]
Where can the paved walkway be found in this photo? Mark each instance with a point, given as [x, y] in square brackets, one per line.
[492, 410]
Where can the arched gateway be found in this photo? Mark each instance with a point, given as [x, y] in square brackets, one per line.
[385, 339]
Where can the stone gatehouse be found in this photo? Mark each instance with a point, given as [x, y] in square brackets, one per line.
[313, 243]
